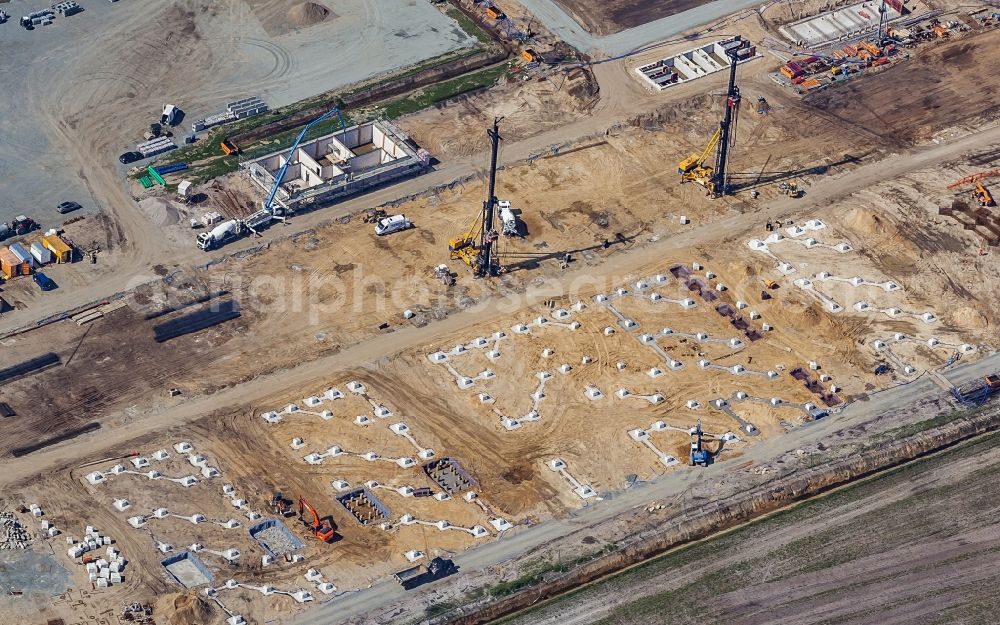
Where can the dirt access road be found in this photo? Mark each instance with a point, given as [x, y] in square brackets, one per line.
[622, 98]
[822, 194]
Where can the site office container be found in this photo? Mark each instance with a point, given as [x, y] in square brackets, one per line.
[11, 265]
[62, 252]
[23, 255]
[40, 253]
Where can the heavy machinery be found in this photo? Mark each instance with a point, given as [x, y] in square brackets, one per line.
[694, 169]
[417, 576]
[229, 230]
[279, 505]
[475, 246]
[220, 235]
[716, 179]
[699, 455]
[977, 391]
[323, 529]
[983, 195]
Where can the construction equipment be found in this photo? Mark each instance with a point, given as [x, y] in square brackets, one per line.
[693, 168]
[716, 180]
[23, 225]
[269, 202]
[699, 455]
[771, 284]
[983, 195]
[279, 505]
[790, 189]
[416, 576]
[323, 529]
[374, 216]
[442, 273]
[977, 391]
[220, 235]
[475, 246]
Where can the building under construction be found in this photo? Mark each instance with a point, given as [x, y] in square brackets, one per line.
[336, 165]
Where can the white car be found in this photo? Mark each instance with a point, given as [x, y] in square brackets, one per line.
[394, 223]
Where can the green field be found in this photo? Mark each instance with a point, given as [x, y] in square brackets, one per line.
[918, 544]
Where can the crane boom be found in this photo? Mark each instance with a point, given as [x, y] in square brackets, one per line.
[269, 202]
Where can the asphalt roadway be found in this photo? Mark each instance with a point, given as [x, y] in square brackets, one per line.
[617, 44]
[386, 592]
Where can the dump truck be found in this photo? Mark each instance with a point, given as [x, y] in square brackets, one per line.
[415, 576]
[220, 235]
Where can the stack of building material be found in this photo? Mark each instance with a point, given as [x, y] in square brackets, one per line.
[156, 146]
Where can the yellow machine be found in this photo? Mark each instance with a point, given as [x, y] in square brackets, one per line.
[464, 247]
[694, 169]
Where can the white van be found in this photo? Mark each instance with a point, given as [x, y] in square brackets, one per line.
[169, 115]
[395, 223]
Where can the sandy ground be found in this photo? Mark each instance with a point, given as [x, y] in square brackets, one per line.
[324, 307]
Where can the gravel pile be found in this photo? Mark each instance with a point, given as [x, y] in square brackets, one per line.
[14, 535]
[276, 540]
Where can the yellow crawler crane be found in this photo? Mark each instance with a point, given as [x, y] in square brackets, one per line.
[694, 169]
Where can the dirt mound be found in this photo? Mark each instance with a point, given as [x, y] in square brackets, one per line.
[307, 14]
[968, 317]
[187, 609]
[864, 221]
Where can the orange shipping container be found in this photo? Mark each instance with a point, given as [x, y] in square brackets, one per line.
[11, 265]
[495, 13]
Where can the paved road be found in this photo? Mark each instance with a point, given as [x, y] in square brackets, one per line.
[567, 29]
[384, 593]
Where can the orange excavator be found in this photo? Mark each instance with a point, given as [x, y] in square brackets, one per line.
[322, 529]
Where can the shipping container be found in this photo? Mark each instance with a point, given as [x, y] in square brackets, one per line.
[41, 254]
[11, 265]
[22, 253]
[60, 251]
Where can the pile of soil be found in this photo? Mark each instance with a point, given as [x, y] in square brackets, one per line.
[188, 609]
[307, 14]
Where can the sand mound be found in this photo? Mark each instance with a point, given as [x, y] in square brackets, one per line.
[864, 221]
[967, 317]
[307, 14]
[188, 609]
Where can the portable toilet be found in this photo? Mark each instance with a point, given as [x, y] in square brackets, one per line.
[23, 255]
[10, 264]
[60, 251]
[41, 253]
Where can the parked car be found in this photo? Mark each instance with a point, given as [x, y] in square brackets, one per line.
[44, 282]
[388, 225]
[68, 207]
[130, 157]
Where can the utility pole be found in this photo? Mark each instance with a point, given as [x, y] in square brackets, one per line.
[486, 264]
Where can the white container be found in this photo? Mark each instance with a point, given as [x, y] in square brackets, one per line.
[41, 254]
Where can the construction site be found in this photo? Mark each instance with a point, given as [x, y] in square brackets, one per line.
[448, 340]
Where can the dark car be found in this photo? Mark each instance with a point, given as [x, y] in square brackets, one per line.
[130, 157]
[68, 207]
[44, 282]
